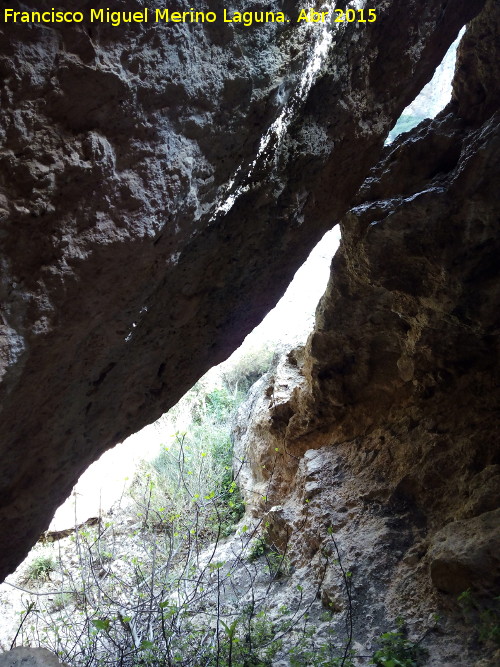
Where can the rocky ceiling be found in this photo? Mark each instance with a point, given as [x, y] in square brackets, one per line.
[145, 229]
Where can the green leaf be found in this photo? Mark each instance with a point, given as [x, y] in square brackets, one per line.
[101, 624]
[230, 629]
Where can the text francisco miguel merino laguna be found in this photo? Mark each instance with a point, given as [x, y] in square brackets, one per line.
[165, 15]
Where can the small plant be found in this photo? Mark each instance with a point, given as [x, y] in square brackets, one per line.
[484, 615]
[257, 549]
[397, 650]
[40, 568]
[278, 564]
[61, 600]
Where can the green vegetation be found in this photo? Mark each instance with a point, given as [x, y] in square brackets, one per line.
[277, 564]
[248, 368]
[396, 650]
[191, 481]
[482, 614]
[40, 568]
[172, 602]
[192, 478]
[174, 593]
[257, 549]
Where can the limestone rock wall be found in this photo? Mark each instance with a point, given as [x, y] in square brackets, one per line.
[384, 430]
[29, 657]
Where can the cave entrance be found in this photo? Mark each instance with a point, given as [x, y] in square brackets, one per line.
[287, 325]
[187, 454]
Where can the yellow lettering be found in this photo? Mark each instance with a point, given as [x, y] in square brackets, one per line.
[161, 15]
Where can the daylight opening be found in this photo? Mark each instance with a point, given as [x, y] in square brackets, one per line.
[165, 500]
[287, 325]
[432, 98]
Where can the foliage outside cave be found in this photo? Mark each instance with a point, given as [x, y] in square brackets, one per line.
[171, 599]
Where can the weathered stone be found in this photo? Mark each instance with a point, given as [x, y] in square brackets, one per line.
[29, 657]
[465, 555]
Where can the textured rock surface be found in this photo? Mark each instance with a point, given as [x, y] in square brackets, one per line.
[464, 554]
[29, 657]
[122, 278]
[388, 432]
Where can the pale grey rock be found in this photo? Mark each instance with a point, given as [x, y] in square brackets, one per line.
[29, 657]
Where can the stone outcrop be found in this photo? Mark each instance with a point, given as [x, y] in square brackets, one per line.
[383, 431]
[29, 657]
[143, 230]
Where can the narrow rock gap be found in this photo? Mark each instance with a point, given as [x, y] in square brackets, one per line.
[432, 98]
[275, 133]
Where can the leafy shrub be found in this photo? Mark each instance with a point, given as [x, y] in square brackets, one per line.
[483, 614]
[248, 368]
[192, 477]
[257, 549]
[278, 564]
[40, 568]
[396, 650]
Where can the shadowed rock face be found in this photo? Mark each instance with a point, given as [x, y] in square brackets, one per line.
[384, 429]
[122, 278]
